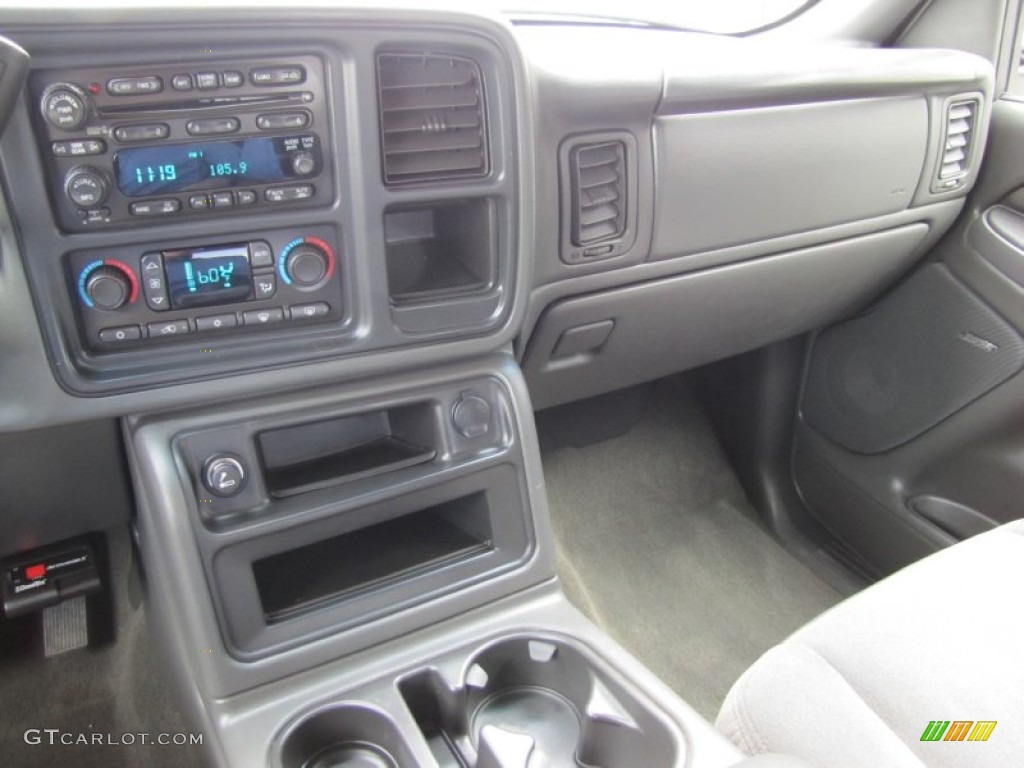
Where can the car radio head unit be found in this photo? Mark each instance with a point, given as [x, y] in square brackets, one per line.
[229, 163]
[162, 142]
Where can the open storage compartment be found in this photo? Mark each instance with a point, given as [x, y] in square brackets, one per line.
[369, 558]
[352, 561]
[440, 249]
[307, 457]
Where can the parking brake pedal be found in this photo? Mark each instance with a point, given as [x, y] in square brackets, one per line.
[56, 581]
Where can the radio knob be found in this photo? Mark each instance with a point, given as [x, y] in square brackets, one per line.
[307, 265]
[86, 187]
[108, 287]
[303, 163]
[64, 106]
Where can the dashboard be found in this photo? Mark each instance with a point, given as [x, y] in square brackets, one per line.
[303, 276]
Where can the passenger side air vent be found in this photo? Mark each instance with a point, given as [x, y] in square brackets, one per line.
[432, 118]
[961, 118]
[598, 178]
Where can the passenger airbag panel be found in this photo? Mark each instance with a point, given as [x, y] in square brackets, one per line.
[728, 178]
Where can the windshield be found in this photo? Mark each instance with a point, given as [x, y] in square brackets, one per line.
[723, 16]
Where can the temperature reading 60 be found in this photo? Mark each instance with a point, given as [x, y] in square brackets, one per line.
[228, 169]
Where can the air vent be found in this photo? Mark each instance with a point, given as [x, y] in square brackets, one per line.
[431, 118]
[961, 117]
[598, 175]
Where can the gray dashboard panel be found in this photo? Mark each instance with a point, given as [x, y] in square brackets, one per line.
[726, 178]
[681, 322]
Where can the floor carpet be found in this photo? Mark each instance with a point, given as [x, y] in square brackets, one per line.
[658, 545]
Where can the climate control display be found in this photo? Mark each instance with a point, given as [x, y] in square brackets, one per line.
[208, 276]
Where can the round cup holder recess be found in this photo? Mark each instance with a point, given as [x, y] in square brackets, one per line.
[352, 756]
[350, 735]
[532, 702]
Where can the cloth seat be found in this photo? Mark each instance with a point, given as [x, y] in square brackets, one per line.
[941, 640]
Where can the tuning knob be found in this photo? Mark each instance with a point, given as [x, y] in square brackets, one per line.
[303, 163]
[86, 187]
[108, 287]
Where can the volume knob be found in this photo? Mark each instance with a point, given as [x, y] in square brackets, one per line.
[64, 106]
[108, 288]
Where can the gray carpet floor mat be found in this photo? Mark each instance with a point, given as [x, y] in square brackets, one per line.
[658, 545]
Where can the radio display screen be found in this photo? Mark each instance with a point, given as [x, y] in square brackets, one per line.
[172, 168]
[202, 278]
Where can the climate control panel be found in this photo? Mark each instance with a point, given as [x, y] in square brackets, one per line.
[135, 295]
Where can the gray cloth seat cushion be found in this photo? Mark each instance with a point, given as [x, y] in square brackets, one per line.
[943, 639]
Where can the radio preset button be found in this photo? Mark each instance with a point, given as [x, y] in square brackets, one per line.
[182, 82]
[232, 79]
[132, 86]
[64, 107]
[168, 329]
[148, 132]
[79, 148]
[289, 194]
[155, 207]
[207, 81]
[277, 76]
[121, 333]
[310, 311]
[280, 120]
[215, 322]
[245, 197]
[265, 286]
[212, 125]
[222, 199]
[261, 254]
[263, 316]
[199, 202]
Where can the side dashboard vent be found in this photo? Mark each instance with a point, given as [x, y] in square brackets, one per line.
[961, 121]
[432, 118]
[598, 179]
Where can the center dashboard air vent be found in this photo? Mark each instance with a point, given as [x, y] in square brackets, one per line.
[432, 118]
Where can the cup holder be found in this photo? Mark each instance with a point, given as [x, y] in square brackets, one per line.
[345, 736]
[528, 702]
